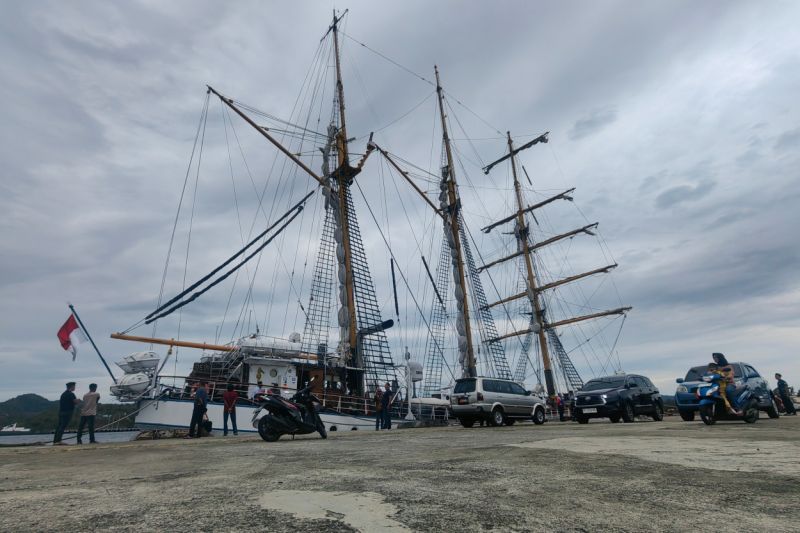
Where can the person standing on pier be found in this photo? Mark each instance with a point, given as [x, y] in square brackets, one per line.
[200, 407]
[377, 399]
[783, 392]
[88, 412]
[386, 404]
[66, 407]
[229, 399]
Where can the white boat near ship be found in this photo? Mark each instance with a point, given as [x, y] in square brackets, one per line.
[14, 428]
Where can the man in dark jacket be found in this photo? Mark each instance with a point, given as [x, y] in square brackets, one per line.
[386, 402]
[66, 407]
[783, 392]
[200, 408]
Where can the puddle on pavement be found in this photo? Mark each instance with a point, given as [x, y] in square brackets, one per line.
[364, 511]
[717, 454]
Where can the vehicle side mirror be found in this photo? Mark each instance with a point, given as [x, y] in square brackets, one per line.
[679, 380]
[528, 393]
[629, 385]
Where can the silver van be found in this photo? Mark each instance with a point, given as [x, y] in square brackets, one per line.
[497, 401]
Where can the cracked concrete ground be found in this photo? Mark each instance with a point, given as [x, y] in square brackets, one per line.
[646, 476]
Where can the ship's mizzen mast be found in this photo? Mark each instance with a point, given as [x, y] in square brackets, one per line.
[452, 219]
[530, 281]
[539, 325]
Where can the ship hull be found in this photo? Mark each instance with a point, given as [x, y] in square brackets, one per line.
[177, 414]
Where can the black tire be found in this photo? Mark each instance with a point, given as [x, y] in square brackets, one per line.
[772, 410]
[321, 429]
[627, 413]
[467, 422]
[509, 421]
[707, 414]
[614, 419]
[538, 417]
[266, 431]
[687, 416]
[751, 412]
[498, 418]
[658, 412]
[582, 419]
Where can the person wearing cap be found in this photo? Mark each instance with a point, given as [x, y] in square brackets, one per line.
[255, 390]
[66, 406]
[783, 392]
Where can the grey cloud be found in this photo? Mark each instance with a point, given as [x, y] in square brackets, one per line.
[788, 140]
[102, 103]
[684, 193]
[593, 123]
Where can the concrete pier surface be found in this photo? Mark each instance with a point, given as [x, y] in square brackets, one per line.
[645, 476]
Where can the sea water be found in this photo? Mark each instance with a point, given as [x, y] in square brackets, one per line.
[69, 438]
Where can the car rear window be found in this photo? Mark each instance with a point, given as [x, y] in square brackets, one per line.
[696, 373]
[464, 385]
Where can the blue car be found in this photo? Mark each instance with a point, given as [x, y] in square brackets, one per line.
[688, 403]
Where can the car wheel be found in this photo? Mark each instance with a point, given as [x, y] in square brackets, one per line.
[658, 412]
[509, 421]
[772, 410]
[627, 412]
[707, 414]
[497, 418]
[614, 419]
[467, 422]
[751, 412]
[582, 419]
[687, 416]
[538, 417]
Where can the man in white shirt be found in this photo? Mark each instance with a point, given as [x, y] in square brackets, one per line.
[253, 390]
[88, 412]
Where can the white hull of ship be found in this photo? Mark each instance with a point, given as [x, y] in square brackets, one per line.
[177, 414]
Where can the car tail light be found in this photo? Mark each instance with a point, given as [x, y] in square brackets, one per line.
[480, 396]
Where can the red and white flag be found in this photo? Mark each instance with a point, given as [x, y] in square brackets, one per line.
[71, 335]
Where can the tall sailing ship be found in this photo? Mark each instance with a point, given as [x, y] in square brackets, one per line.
[344, 344]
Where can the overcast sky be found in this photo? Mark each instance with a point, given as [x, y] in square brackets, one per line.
[676, 121]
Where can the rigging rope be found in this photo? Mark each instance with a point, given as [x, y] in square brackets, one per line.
[297, 210]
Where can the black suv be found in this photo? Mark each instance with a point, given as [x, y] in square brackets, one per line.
[618, 397]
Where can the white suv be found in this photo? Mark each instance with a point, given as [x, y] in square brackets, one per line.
[498, 401]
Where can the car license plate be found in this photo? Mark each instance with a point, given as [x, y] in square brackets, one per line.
[590, 410]
[462, 401]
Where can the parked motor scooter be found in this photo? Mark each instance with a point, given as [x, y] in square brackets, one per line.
[297, 416]
[712, 406]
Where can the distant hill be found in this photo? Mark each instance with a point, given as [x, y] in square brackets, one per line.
[25, 404]
[40, 414]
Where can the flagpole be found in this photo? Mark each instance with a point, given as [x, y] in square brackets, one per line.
[80, 323]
